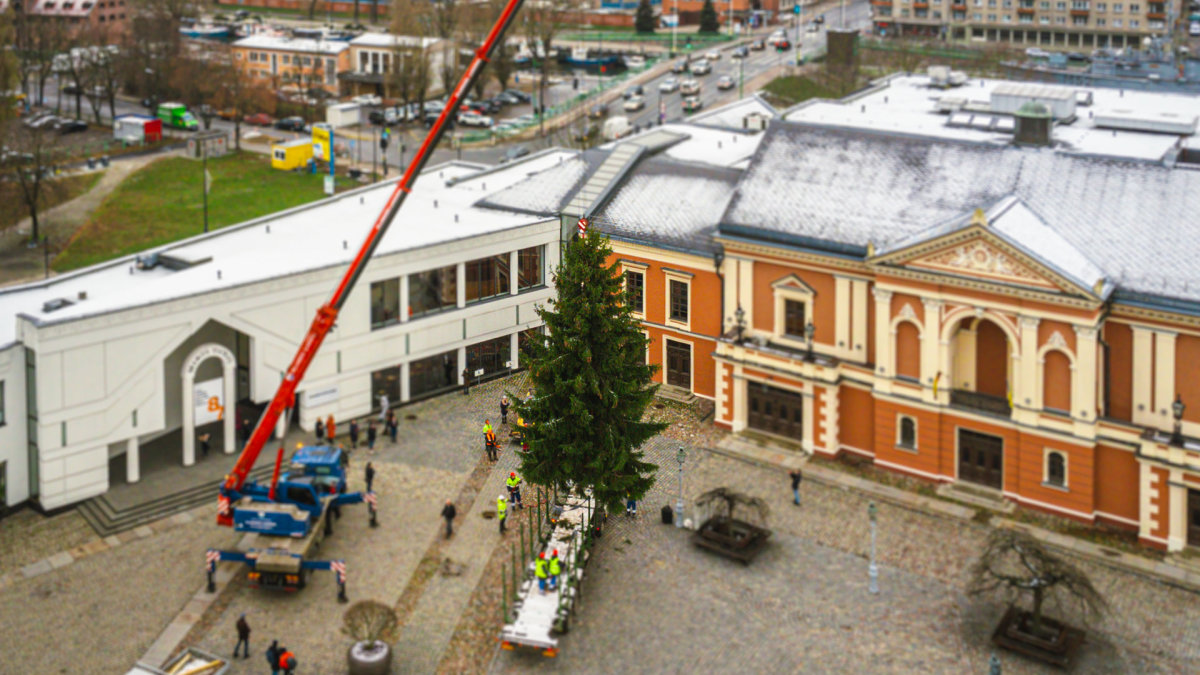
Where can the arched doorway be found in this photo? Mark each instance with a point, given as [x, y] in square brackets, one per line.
[983, 366]
[208, 401]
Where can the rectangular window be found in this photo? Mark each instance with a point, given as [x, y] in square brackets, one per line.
[679, 301]
[635, 290]
[385, 381]
[1116, 23]
[432, 373]
[287, 58]
[529, 268]
[432, 291]
[1118, 7]
[1134, 8]
[385, 303]
[489, 356]
[793, 318]
[487, 278]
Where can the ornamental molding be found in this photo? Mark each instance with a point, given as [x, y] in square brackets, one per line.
[881, 295]
[906, 312]
[1056, 341]
[1085, 332]
[978, 257]
[1031, 322]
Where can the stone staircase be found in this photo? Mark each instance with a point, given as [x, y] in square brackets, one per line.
[678, 394]
[107, 519]
[980, 497]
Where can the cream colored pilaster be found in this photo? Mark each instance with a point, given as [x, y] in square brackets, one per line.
[1147, 512]
[930, 346]
[739, 393]
[1177, 508]
[858, 321]
[729, 269]
[1143, 357]
[1083, 389]
[883, 341]
[810, 421]
[745, 294]
[404, 298]
[829, 409]
[1164, 379]
[841, 299]
[1027, 399]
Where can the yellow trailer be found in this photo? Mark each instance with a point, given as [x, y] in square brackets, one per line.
[292, 154]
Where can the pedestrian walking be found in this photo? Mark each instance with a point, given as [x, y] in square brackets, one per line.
[287, 661]
[504, 409]
[383, 407]
[501, 511]
[243, 632]
[555, 570]
[204, 444]
[448, 512]
[514, 489]
[371, 431]
[370, 474]
[354, 433]
[796, 478]
[630, 505]
[539, 569]
[319, 428]
[466, 375]
[392, 426]
[330, 428]
[489, 440]
[273, 653]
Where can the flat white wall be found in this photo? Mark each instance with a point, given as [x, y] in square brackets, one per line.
[14, 450]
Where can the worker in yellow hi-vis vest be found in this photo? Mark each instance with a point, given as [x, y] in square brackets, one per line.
[555, 569]
[539, 569]
[501, 511]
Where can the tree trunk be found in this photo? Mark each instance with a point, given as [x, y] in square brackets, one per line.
[356, 12]
[237, 132]
[1039, 595]
[312, 7]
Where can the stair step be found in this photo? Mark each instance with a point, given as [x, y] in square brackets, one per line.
[976, 496]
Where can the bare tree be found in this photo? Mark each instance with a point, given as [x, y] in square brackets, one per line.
[10, 67]
[371, 621]
[37, 40]
[29, 163]
[241, 94]
[1019, 565]
[544, 20]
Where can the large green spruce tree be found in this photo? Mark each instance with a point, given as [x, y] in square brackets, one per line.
[644, 18]
[591, 384]
[708, 18]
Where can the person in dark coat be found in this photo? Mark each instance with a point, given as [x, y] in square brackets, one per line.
[319, 428]
[448, 512]
[243, 631]
[204, 444]
[504, 409]
[370, 476]
[353, 433]
[796, 478]
[273, 653]
[392, 426]
[466, 374]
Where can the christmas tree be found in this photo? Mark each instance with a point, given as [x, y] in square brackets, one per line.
[591, 384]
[708, 18]
[644, 19]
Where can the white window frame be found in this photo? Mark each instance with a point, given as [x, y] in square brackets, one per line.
[639, 268]
[900, 417]
[792, 287]
[670, 275]
[1046, 452]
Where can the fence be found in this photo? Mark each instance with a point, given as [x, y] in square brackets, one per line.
[681, 39]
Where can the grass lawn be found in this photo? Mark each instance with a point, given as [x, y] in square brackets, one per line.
[52, 194]
[163, 202]
[792, 89]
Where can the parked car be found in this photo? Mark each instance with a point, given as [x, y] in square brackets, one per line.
[71, 89]
[431, 117]
[519, 95]
[227, 114]
[635, 90]
[712, 55]
[633, 62]
[290, 124]
[689, 87]
[634, 104]
[507, 98]
[668, 86]
[725, 82]
[758, 45]
[782, 45]
[513, 153]
[740, 53]
[260, 119]
[375, 117]
[471, 119]
[680, 66]
[45, 122]
[597, 111]
[692, 103]
[67, 126]
[701, 67]
[524, 120]
[38, 119]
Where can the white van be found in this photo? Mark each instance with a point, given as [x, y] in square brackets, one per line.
[616, 127]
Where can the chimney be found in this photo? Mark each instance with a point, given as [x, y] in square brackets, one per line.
[1033, 124]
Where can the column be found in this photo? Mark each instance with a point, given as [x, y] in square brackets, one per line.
[514, 275]
[842, 314]
[1026, 393]
[739, 397]
[883, 337]
[404, 298]
[1177, 512]
[462, 363]
[281, 427]
[810, 421]
[132, 461]
[514, 352]
[229, 401]
[189, 421]
[405, 385]
[460, 284]
[1143, 357]
[1083, 389]
[1164, 379]
[858, 321]
[930, 345]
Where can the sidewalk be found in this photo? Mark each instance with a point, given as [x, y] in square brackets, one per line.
[735, 447]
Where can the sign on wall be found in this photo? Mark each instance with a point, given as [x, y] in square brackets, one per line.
[312, 399]
[209, 403]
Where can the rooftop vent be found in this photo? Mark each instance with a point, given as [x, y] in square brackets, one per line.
[1033, 122]
[55, 305]
[944, 78]
[1153, 122]
[754, 121]
[1009, 97]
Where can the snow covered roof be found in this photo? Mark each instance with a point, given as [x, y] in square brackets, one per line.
[389, 41]
[839, 190]
[707, 145]
[547, 191]
[301, 239]
[733, 115]
[290, 44]
[907, 104]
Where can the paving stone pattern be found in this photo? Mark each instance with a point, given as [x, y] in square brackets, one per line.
[27, 537]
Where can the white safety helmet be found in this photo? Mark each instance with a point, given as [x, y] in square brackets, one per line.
[502, 498]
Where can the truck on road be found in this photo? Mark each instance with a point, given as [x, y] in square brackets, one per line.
[176, 116]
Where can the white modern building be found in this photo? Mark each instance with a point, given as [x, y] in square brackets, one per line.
[98, 363]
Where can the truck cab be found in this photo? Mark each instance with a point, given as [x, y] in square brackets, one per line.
[176, 115]
[316, 476]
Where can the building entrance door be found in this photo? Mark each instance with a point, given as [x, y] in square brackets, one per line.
[1193, 507]
[776, 411]
[981, 458]
[679, 364]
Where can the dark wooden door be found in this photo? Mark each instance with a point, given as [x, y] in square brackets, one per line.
[775, 411]
[1193, 533]
[679, 364]
[981, 458]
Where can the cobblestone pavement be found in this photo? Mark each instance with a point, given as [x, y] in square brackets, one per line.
[27, 536]
[803, 605]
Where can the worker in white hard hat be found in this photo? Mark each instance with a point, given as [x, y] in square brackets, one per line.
[501, 511]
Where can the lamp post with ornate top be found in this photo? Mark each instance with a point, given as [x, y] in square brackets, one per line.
[1177, 409]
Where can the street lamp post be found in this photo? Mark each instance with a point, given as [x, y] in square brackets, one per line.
[809, 331]
[679, 457]
[739, 317]
[872, 568]
[1177, 409]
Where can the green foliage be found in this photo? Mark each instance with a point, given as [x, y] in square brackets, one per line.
[708, 18]
[591, 383]
[644, 19]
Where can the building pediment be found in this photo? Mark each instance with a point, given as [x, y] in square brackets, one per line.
[1006, 244]
[794, 283]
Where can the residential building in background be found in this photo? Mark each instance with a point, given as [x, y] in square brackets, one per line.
[300, 62]
[109, 19]
[376, 58]
[1055, 23]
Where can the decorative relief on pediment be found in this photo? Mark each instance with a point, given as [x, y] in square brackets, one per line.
[978, 257]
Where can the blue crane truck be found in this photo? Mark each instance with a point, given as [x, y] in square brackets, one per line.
[289, 518]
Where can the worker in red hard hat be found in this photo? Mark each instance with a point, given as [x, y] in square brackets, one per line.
[514, 489]
[539, 569]
[555, 570]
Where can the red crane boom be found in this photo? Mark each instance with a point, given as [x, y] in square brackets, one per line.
[327, 314]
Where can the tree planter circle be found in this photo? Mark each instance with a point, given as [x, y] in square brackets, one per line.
[369, 658]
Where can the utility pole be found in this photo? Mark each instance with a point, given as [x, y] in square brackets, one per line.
[741, 76]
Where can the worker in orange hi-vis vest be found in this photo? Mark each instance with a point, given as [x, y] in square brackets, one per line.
[330, 428]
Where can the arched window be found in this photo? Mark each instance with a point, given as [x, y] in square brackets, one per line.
[1056, 382]
[908, 351]
[907, 434]
[1056, 469]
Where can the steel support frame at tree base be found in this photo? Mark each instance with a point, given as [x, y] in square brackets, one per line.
[327, 314]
